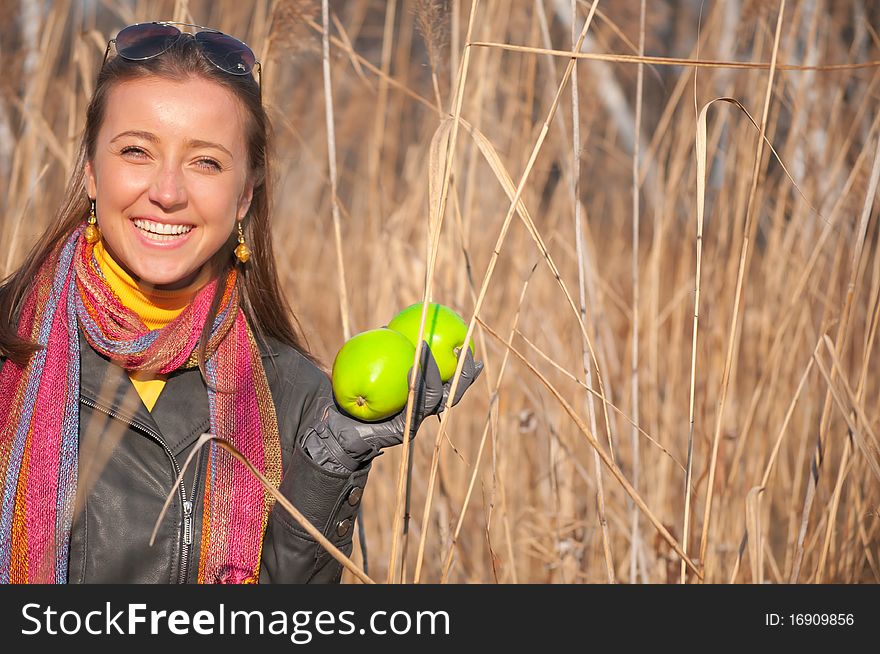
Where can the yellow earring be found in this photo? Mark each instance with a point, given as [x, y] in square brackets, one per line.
[242, 252]
[93, 233]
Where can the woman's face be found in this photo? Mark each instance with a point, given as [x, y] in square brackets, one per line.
[170, 176]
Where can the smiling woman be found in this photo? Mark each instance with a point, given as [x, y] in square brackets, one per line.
[149, 313]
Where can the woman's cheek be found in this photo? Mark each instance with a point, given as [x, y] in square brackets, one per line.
[213, 202]
[126, 180]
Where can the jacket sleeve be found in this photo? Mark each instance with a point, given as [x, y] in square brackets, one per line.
[328, 499]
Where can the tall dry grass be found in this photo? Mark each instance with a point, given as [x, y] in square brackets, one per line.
[702, 405]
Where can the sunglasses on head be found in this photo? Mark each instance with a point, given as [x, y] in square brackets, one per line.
[143, 41]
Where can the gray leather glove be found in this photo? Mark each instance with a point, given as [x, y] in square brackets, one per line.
[342, 443]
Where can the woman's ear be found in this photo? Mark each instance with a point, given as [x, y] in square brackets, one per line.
[244, 202]
[91, 183]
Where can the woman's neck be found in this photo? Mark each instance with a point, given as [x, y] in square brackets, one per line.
[155, 307]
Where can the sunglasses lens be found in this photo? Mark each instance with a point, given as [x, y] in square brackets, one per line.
[146, 40]
[227, 53]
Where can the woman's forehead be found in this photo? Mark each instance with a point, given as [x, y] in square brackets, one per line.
[193, 109]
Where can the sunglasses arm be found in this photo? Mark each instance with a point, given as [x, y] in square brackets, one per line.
[107, 51]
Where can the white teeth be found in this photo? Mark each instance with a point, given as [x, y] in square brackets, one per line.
[160, 237]
[154, 228]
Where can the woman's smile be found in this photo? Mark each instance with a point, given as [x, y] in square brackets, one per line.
[161, 234]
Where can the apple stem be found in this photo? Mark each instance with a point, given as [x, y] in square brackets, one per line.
[360, 400]
[457, 351]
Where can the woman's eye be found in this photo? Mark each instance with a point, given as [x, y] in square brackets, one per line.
[209, 163]
[131, 149]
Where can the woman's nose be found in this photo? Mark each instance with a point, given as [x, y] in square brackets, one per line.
[168, 189]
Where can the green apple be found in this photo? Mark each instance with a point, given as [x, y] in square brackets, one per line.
[444, 332]
[370, 374]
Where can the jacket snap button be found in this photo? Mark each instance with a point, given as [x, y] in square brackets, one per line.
[355, 495]
[343, 527]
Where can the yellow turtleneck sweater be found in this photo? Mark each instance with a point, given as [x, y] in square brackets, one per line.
[156, 308]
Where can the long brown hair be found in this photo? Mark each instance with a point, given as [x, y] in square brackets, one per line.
[265, 306]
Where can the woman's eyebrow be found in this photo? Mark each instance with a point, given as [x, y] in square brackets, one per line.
[152, 138]
[147, 136]
[197, 143]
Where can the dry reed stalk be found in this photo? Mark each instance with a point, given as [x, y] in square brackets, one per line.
[563, 469]
[574, 173]
[748, 237]
[754, 534]
[331, 157]
[375, 156]
[701, 192]
[634, 373]
[672, 61]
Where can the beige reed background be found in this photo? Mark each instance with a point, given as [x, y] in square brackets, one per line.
[719, 298]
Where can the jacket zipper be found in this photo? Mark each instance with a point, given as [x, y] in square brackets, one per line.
[187, 527]
[188, 522]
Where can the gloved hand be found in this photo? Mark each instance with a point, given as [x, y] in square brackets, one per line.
[342, 443]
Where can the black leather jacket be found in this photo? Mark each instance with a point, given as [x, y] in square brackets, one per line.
[129, 458]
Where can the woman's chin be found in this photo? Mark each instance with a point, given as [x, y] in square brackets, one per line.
[171, 280]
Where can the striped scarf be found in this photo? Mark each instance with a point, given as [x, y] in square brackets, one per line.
[39, 417]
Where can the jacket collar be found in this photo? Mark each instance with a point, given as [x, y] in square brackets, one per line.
[181, 414]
